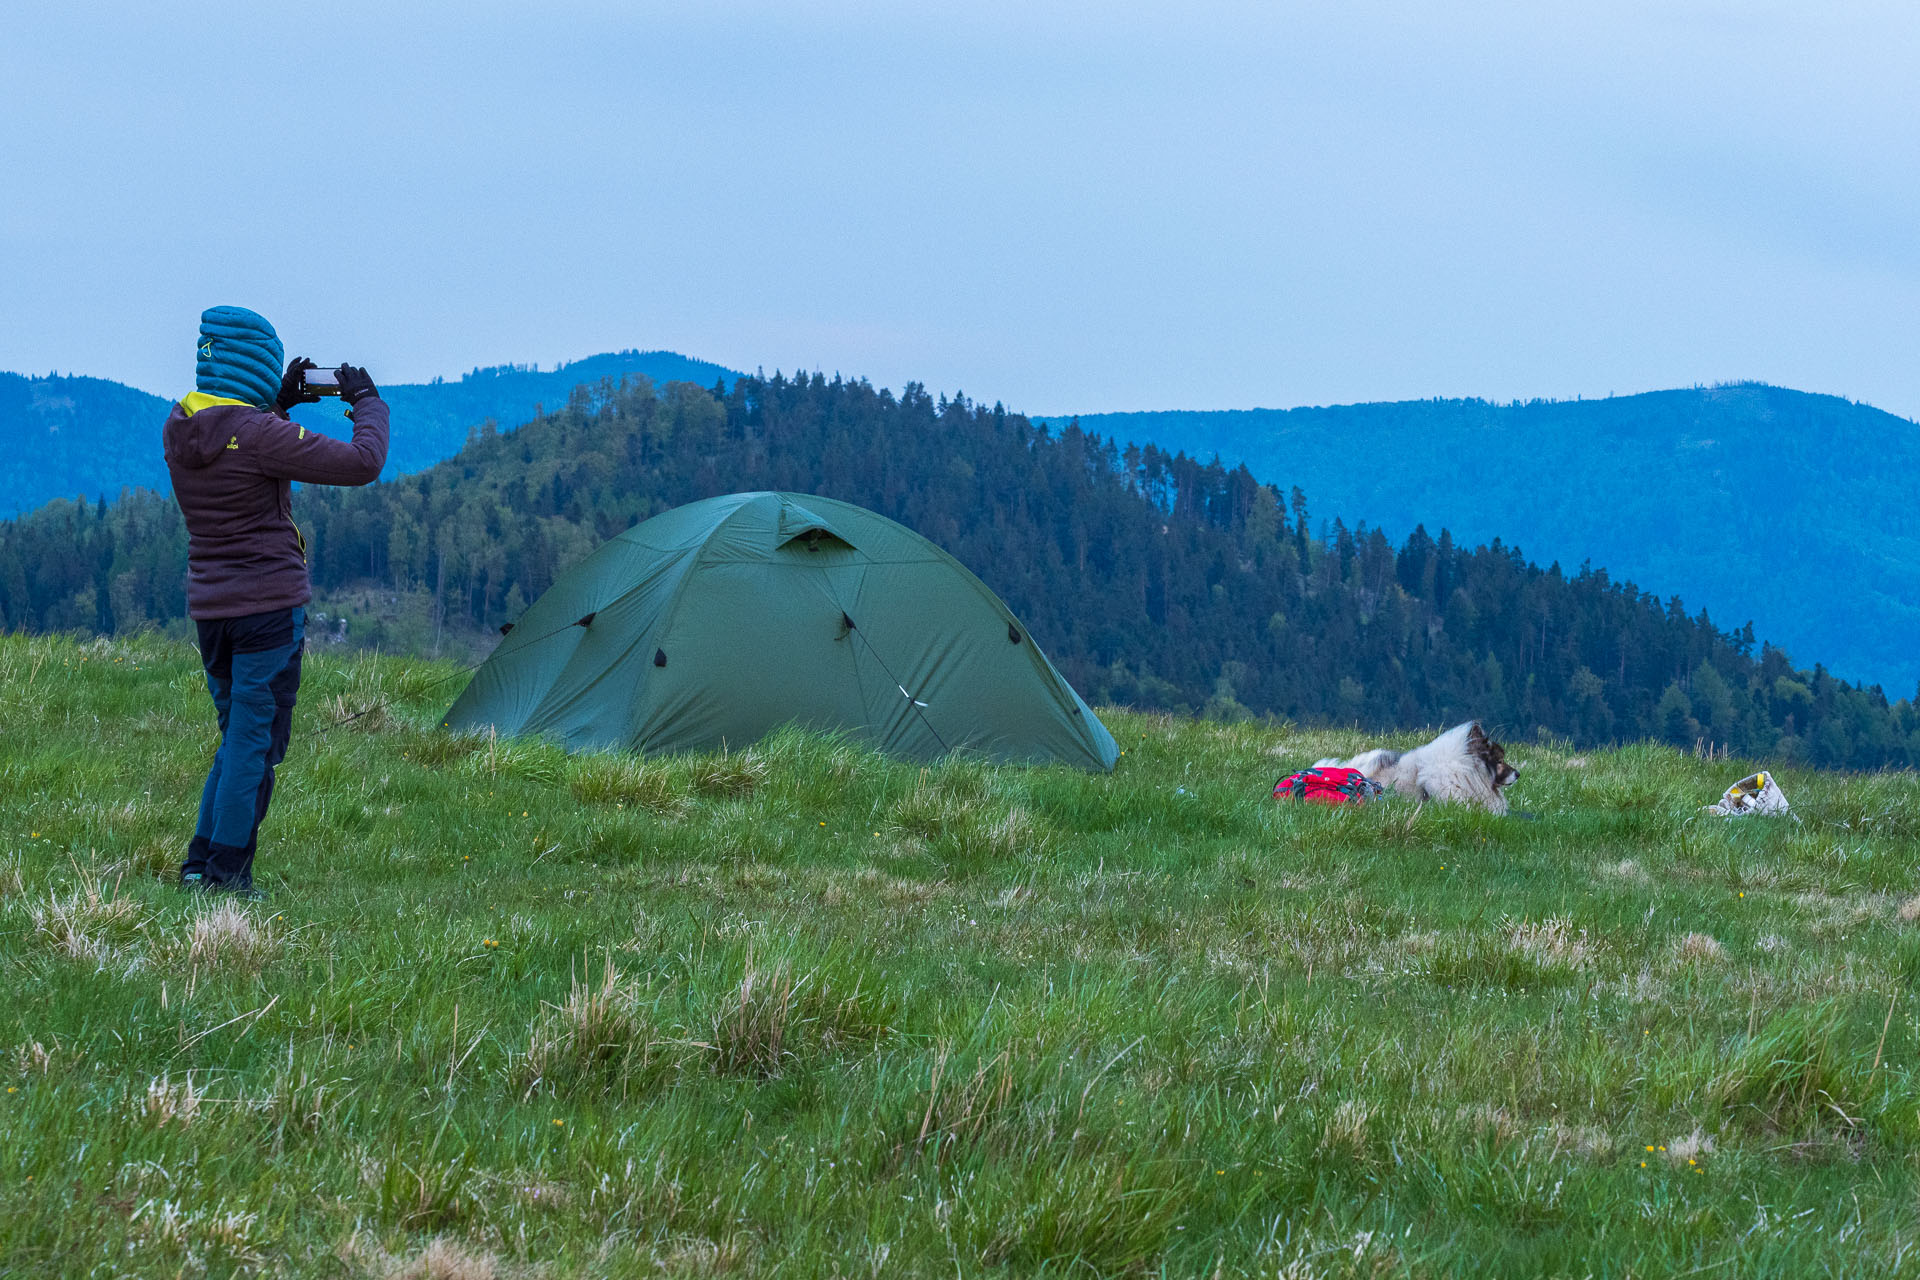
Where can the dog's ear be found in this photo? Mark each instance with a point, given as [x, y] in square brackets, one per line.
[1485, 749]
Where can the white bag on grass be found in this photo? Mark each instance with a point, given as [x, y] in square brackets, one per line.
[1756, 793]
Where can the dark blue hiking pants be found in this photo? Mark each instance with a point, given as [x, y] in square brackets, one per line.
[253, 673]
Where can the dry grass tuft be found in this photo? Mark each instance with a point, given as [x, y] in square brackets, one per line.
[539, 1193]
[751, 1032]
[1688, 1149]
[957, 810]
[1589, 1141]
[1698, 948]
[168, 1102]
[1838, 913]
[1016, 832]
[534, 759]
[442, 1259]
[758, 876]
[1345, 1135]
[1910, 909]
[34, 1059]
[730, 776]
[445, 1259]
[699, 1256]
[1552, 943]
[932, 808]
[12, 882]
[871, 884]
[226, 936]
[1014, 895]
[597, 1039]
[89, 923]
[1643, 986]
[773, 1015]
[226, 1237]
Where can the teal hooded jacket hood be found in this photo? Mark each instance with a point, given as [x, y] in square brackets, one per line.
[239, 357]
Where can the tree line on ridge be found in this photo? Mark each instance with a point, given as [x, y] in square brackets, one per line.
[1152, 579]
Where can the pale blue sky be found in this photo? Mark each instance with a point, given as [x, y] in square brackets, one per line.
[1068, 207]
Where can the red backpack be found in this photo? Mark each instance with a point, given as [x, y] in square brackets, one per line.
[1327, 785]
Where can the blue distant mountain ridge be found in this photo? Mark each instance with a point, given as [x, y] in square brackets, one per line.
[1792, 510]
[72, 436]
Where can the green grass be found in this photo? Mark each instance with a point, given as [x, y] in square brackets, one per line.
[801, 1010]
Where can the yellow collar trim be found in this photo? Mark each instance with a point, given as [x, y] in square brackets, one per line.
[194, 401]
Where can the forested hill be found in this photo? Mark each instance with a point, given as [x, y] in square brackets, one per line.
[65, 435]
[1794, 510]
[69, 436]
[1151, 578]
[1754, 502]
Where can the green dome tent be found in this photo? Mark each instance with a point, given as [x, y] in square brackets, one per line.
[715, 623]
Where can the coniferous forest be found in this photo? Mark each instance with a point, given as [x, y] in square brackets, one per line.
[1152, 579]
[1668, 487]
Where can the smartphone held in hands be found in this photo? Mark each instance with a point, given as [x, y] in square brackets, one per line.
[321, 382]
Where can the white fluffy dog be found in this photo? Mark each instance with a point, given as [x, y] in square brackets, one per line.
[1463, 764]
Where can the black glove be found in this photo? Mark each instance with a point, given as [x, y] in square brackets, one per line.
[355, 385]
[291, 390]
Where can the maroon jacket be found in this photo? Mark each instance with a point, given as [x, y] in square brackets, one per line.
[231, 466]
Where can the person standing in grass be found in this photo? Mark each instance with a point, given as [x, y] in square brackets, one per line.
[233, 454]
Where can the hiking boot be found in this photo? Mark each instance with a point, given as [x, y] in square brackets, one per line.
[195, 882]
[241, 889]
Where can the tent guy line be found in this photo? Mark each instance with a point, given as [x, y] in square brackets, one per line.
[853, 629]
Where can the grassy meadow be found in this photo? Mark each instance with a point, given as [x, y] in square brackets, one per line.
[800, 1010]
